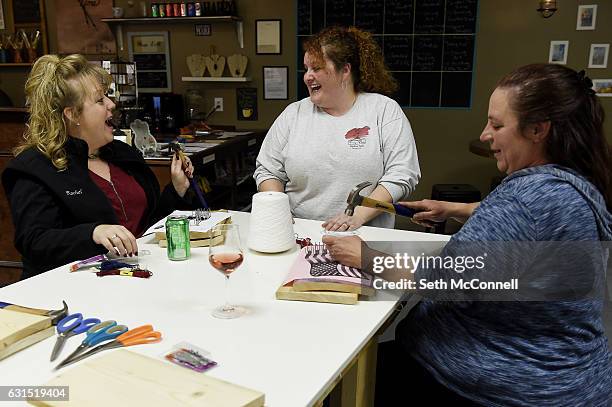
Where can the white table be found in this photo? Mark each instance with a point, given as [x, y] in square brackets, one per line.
[294, 352]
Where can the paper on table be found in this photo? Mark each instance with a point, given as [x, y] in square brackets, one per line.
[328, 270]
[195, 149]
[204, 226]
[202, 144]
[228, 134]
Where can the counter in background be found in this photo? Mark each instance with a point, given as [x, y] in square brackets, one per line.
[227, 161]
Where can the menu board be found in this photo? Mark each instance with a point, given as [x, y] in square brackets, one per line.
[428, 45]
[26, 11]
[246, 103]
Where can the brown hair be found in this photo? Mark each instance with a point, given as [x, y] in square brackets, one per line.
[555, 93]
[54, 84]
[355, 47]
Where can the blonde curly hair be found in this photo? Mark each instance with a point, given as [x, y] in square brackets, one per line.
[54, 84]
[356, 47]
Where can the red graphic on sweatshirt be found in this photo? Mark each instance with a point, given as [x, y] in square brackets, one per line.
[357, 133]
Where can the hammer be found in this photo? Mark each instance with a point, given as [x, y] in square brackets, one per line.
[354, 199]
[178, 150]
[57, 314]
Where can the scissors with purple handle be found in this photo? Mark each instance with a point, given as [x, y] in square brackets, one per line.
[71, 325]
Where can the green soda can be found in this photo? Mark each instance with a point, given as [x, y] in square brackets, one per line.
[177, 236]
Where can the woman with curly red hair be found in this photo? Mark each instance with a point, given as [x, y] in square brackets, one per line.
[348, 131]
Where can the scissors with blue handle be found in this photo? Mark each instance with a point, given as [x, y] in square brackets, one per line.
[144, 334]
[71, 325]
[97, 334]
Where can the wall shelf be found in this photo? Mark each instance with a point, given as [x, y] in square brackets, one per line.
[149, 20]
[118, 22]
[13, 110]
[17, 64]
[214, 79]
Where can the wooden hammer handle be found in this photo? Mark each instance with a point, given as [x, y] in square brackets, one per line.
[395, 209]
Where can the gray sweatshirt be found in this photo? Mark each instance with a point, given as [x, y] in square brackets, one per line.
[319, 158]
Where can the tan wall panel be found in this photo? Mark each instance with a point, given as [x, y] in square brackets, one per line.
[510, 34]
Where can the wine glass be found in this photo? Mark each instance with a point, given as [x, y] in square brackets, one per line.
[225, 254]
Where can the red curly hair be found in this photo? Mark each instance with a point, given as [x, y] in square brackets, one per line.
[356, 47]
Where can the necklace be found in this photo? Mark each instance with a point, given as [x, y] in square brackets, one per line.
[93, 156]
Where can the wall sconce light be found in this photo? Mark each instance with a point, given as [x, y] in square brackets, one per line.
[547, 8]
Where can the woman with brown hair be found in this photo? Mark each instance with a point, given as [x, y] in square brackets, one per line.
[345, 133]
[549, 226]
[74, 191]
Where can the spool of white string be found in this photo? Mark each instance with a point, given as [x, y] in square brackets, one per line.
[271, 224]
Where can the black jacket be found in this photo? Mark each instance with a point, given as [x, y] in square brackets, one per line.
[55, 212]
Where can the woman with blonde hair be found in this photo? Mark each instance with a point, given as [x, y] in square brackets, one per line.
[74, 191]
[345, 133]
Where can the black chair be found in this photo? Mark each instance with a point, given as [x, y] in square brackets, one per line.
[464, 193]
[5, 100]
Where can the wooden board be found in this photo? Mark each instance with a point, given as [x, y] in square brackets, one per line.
[194, 235]
[195, 242]
[15, 326]
[27, 341]
[308, 285]
[125, 378]
[288, 293]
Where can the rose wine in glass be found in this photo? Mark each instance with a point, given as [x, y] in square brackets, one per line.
[225, 254]
[226, 263]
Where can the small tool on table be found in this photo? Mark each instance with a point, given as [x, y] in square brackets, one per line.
[137, 336]
[178, 150]
[97, 334]
[71, 325]
[133, 272]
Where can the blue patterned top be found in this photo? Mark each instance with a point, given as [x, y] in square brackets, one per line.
[544, 353]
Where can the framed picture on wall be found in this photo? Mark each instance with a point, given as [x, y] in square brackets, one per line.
[246, 103]
[598, 57]
[151, 52]
[587, 15]
[603, 87]
[268, 36]
[558, 52]
[275, 82]
[78, 26]
[2, 27]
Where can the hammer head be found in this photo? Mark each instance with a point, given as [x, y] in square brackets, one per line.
[58, 314]
[354, 199]
[175, 147]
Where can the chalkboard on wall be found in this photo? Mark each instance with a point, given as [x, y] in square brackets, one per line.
[428, 44]
[246, 103]
[26, 11]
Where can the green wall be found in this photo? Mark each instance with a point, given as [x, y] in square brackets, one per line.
[510, 34]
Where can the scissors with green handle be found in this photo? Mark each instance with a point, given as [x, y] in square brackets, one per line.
[138, 336]
[97, 334]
